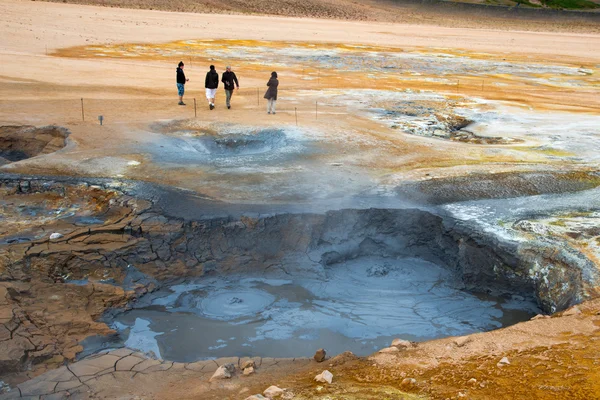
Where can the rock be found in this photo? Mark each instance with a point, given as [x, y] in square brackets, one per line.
[472, 381]
[273, 392]
[55, 236]
[223, 372]
[540, 316]
[248, 364]
[462, 340]
[256, 397]
[320, 355]
[409, 382]
[390, 350]
[572, 311]
[324, 377]
[401, 343]
[503, 362]
[248, 371]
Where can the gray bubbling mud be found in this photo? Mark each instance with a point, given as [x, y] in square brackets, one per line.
[359, 305]
[275, 282]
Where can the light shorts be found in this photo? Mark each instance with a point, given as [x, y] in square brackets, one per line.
[211, 93]
[180, 89]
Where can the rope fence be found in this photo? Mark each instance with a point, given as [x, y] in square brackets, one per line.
[298, 101]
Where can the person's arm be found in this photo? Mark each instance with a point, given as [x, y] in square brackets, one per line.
[206, 81]
[236, 81]
[223, 78]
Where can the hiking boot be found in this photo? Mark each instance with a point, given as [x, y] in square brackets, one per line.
[228, 107]
[212, 106]
[181, 103]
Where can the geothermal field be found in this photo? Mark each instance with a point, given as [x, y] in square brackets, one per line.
[424, 205]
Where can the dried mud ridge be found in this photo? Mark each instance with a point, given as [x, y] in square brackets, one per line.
[21, 142]
[42, 318]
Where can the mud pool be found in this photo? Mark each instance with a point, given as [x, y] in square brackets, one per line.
[359, 305]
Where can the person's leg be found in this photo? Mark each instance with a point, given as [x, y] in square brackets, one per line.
[273, 107]
[268, 106]
[180, 92]
[228, 98]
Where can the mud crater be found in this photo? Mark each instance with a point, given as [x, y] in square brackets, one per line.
[22, 142]
[281, 285]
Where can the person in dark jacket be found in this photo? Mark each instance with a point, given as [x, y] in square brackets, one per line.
[181, 80]
[228, 80]
[211, 83]
[271, 94]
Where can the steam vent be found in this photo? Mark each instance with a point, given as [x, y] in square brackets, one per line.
[363, 201]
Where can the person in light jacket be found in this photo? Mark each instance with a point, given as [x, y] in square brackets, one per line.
[271, 94]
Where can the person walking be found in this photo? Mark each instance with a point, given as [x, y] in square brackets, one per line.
[228, 80]
[271, 94]
[211, 83]
[181, 80]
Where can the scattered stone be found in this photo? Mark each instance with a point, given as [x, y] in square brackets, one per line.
[223, 372]
[320, 355]
[248, 371]
[540, 316]
[55, 236]
[409, 382]
[472, 381]
[273, 392]
[324, 377]
[503, 362]
[390, 350]
[571, 311]
[256, 397]
[401, 343]
[462, 340]
[248, 364]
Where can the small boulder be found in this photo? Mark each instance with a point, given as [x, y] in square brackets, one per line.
[572, 311]
[273, 392]
[223, 372]
[320, 355]
[504, 361]
[401, 343]
[248, 371]
[390, 350]
[324, 377]
[248, 364]
[409, 382]
[462, 340]
[55, 236]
